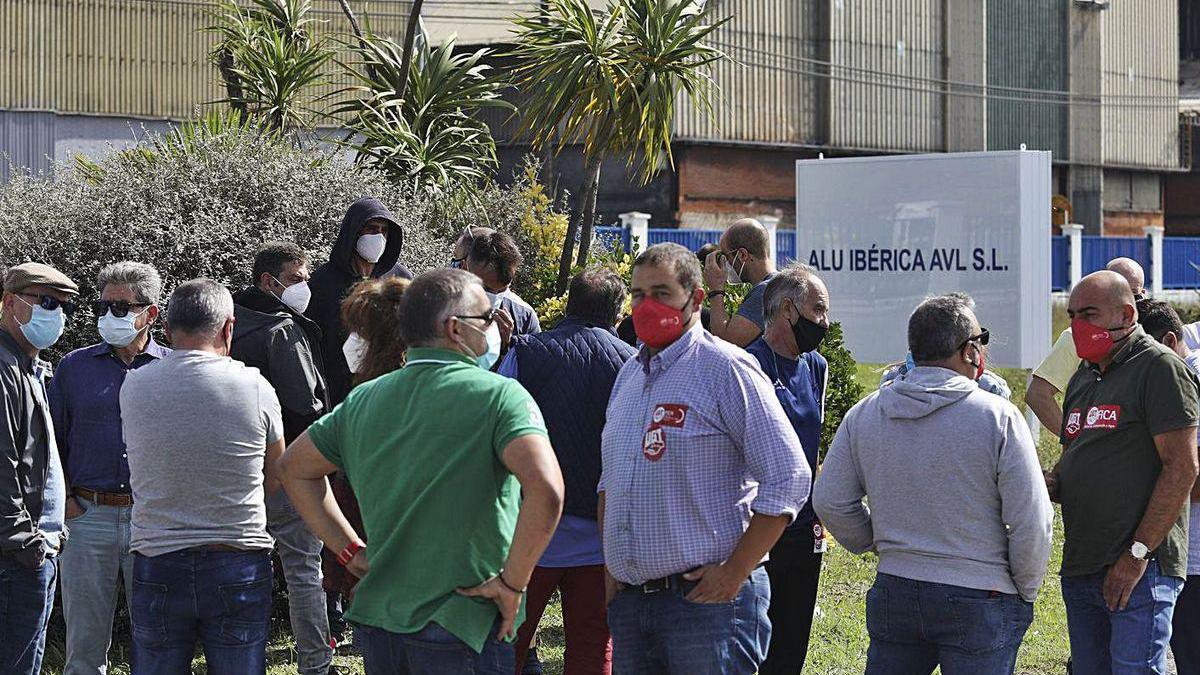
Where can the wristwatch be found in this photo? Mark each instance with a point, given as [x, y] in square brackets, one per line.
[1139, 551]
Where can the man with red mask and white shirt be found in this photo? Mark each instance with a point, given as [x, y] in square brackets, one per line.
[698, 484]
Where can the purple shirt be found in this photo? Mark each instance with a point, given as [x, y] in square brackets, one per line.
[695, 442]
[86, 407]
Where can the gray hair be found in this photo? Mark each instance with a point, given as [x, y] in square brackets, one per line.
[430, 299]
[199, 307]
[682, 261]
[939, 326]
[140, 277]
[793, 281]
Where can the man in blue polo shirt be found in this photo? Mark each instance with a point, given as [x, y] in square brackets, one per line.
[85, 405]
[796, 312]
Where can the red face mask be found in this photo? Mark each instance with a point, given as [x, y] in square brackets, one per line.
[658, 324]
[1092, 342]
[979, 366]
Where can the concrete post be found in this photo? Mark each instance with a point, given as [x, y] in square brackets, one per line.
[772, 225]
[1074, 233]
[1155, 233]
[638, 224]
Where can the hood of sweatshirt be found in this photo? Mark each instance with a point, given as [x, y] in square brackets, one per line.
[923, 391]
[362, 210]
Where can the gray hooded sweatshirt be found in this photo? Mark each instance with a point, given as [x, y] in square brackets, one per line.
[952, 477]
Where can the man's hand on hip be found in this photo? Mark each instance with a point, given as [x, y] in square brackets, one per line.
[508, 601]
[1120, 581]
[718, 583]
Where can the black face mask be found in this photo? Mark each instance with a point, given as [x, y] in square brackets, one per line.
[808, 334]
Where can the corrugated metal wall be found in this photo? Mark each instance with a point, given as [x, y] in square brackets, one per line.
[149, 58]
[886, 52]
[1027, 51]
[1141, 59]
[766, 93]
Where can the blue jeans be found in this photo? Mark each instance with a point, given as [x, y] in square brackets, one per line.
[26, 598]
[300, 556]
[222, 598]
[918, 625]
[95, 563]
[1133, 640]
[665, 633]
[433, 650]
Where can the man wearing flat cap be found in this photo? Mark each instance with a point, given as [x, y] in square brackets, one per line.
[37, 300]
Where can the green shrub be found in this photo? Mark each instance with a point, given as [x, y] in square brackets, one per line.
[205, 209]
[843, 389]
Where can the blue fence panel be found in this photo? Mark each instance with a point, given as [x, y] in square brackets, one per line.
[1060, 263]
[785, 244]
[1097, 251]
[611, 237]
[1179, 256]
[690, 239]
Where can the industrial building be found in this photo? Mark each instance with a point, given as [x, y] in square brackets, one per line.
[1097, 82]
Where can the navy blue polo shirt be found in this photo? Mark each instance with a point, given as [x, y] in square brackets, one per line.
[800, 388]
[86, 407]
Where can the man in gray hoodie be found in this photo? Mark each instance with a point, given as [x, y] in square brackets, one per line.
[959, 513]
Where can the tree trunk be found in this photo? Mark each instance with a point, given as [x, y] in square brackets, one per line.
[233, 83]
[410, 34]
[591, 190]
[358, 33]
[568, 250]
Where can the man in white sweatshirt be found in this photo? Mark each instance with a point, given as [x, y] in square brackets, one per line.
[959, 513]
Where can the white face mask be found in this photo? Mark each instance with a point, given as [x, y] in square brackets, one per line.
[370, 247]
[119, 331]
[493, 298]
[732, 275]
[488, 358]
[295, 296]
[354, 349]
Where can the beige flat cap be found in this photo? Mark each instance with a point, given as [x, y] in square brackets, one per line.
[29, 274]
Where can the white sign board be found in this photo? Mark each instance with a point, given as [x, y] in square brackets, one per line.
[888, 232]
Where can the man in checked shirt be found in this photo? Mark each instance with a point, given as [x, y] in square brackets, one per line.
[702, 473]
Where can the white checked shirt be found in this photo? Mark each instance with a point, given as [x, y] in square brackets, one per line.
[695, 441]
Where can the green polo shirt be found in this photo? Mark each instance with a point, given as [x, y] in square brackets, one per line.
[422, 448]
[1110, 463]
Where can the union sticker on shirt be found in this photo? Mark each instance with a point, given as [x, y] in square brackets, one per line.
[654, 443]
[670, 414]
[1074, 423]
[1103, 417]
[820, 543]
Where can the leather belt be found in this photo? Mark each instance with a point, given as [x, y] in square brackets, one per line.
[104, 498]
[210, 548]
[675, 582]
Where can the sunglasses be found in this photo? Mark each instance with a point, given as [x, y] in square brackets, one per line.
[982, 339]
[119, 308]
[51, 303]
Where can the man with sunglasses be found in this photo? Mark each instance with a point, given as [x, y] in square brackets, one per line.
[459, 488]
[1128, 467]
[958, 512]
[36, 302]
[744, 257]
[85, 404]
[493, 256]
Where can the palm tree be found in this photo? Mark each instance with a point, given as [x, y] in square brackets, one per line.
[609, 81]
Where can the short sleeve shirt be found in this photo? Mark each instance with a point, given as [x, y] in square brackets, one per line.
[752, 306]
[1110, 463]
[422, 449]
[1058, 367]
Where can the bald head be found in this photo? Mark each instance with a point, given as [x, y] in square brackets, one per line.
[1131, 272]
[748, 234]
[1104, 289]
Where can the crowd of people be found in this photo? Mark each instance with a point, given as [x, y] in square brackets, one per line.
[420, 448]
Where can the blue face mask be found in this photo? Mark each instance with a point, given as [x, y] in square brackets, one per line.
[489, 358]
[45, 326]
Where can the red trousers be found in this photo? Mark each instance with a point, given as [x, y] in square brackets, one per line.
[585, 617]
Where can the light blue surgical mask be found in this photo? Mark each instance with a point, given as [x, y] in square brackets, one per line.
[45, 326]
[489, 358]
[119, 331]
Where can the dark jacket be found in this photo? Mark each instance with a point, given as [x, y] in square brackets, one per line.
[286, 349]
[570, 371]
[25, 445]
[332, 281]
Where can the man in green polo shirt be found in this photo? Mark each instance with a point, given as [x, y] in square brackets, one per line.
[1128, 466]
[459, 488]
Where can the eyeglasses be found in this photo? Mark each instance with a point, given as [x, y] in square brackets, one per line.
[485, 318]
[51, 303]
[983, 338]
[119, 308]
[457, 263]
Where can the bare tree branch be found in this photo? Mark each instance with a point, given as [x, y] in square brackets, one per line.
[410, 34]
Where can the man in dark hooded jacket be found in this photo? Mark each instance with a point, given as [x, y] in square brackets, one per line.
[367, 247]
[271, 334]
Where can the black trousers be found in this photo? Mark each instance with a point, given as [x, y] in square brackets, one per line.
[1185, 628]
[794, 571]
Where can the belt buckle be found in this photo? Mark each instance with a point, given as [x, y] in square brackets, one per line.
[656, 585]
